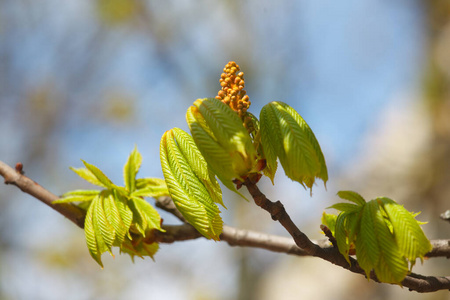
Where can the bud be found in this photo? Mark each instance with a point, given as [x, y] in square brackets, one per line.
[222, 139]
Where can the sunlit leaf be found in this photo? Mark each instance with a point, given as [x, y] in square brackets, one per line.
[284, 134]
[188, 192]
[352, 196]
[90, 232]
[104, 232]
[77, 196]
[98, 174]
[87, 175]
[150, 217]
[131, 168]
[198, 164]
[222, 139]
[410, 238]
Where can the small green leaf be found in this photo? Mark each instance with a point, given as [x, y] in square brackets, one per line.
[125, 212]
[222, 139]
[150, 187]
[284, 134]
[77, 196]
[87, 175]
[90, 233]
[329, 220]
[346, 207]
[189, 194]
[198, 164]
[410, 238]
[352, 196]
[113, 217]
[104, 232]
[149, 215]
[131, 168]
[98, 174]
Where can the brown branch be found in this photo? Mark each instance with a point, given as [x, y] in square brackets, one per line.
[16, 177]
[239, 237]
[413, 281]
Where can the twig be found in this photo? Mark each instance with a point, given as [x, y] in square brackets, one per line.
[413, 281]
[16, 177]
[239, 237]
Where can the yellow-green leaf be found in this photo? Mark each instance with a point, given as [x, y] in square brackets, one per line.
[284, 134]
[187, 191]
[131, 168]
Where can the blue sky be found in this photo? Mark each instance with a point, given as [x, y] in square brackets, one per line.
[338, 65]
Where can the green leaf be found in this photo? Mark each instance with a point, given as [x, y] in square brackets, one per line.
[150, 187]
[77, 196]
[341, 236]
[124, 210]
[286, 135]
[410, 238]
[188, 192]
[104, 232]
[98, 174]
[131, 168]
[270, 141]
[376, 247]
[198, 164]
[367, 247]
[352, 196]
[150, 219]
[329, 220]
[90, 232]
[87, 175]
[346, 207]
[222, 139]
[113, 217]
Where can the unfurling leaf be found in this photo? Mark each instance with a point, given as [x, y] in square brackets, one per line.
[187, 189]
[222, 139]
[150, 187]
[77, 196]
[284, 134]
[386, 236]
[131, 168]
[118, 216]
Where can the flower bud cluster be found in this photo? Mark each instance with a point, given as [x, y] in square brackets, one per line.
[233, 93]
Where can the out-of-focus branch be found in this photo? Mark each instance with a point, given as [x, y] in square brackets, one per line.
[239, 237]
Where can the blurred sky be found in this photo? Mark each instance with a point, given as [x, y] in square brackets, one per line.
[75, 84]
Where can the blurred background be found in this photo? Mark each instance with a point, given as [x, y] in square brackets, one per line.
[90, 79]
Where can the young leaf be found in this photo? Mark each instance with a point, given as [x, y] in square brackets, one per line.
[188, 192]
[90, 233]
[410, 238]
[98, 174]
[104, 232]
[87, 175]
[346, 207]
[131, 168]
[352, 196]
[77, 196]
[113, 217]
[198, 164]
[222, 139]
[284, 134]
[148, 216]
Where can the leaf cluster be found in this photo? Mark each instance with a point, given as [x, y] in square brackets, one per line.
[118, 215]
[384, 235]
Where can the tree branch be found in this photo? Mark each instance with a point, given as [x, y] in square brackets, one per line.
[413, 281]
[16, 177]
[300, 245]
